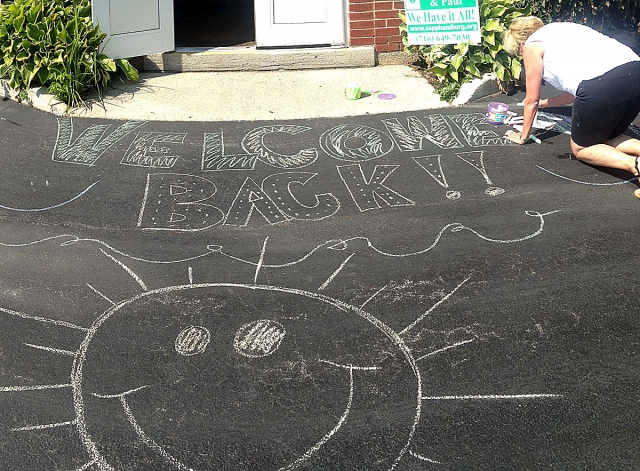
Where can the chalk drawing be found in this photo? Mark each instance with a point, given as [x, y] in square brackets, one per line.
[468, 124]
[261, 260]
[48, 208]
[494, 191]
[253, 143]
[476, 160]
[355, 143]
[127, 269]
[149, 149]
[281, 189]
[411, 138]
[335, 273]
[254, 340]
[587, 183]
[453, 195]
[91, 144]
[214, 158]
[259, 339]
[178, 202]
[371, 193]
[193, 340]
[493, 396]
[250, 198]
[432, 164]
[423, 458]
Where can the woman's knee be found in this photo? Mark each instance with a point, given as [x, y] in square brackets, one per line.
[575, 148]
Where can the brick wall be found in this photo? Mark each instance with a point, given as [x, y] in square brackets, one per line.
[375, 23]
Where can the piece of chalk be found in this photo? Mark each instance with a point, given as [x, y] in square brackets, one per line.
[512, 113]
[520, 104]
[535, 139]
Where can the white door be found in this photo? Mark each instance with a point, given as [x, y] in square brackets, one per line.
[299, 22]
[135, 27]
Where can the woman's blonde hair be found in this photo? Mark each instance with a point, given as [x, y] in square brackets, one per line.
[519, 31]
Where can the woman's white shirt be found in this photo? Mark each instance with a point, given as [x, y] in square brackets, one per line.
[573, 53]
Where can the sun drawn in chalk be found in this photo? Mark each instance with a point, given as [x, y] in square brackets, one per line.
[244, 377]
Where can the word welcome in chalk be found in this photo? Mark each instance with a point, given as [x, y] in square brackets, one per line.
[345, 142]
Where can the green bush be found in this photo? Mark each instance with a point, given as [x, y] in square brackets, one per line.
[459, 63]
[601, 15]
[54, 43]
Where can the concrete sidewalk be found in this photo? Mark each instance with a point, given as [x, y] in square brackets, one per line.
[262, 95]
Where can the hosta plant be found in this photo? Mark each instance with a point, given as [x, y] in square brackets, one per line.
[455, 64]
[54, 43]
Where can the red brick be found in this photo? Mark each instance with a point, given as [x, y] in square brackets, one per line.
[386, 31]
[388, 47]
[360, 7]
[380, 23]
[361, 42]
[361, 24]
[360, 1]
[361, 33]
[394, 39]
[385, 14]
[393, 22]
[380, 40]
[380, 6]
[398, 5]
[361, 16]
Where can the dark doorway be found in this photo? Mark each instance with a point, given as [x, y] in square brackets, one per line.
[214, 23]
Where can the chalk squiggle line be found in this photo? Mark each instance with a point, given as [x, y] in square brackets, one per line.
[341, 244]
[35, 210]
[333, 244]
[586, 183]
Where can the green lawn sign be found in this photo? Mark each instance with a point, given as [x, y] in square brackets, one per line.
[442, 21]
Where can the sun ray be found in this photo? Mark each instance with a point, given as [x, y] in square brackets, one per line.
[43, 427]
[100, 294]
[128, 270]
[43, 319]
[86, 466]
[33, 388]
[335, 273]
[261, 260]
[490, 397]
[423, 458]
[190, 271]
[435, 352]
[373, 296]
[447, 296]
[51, 349]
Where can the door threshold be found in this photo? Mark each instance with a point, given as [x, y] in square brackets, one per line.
[191, 49]
[220, 59]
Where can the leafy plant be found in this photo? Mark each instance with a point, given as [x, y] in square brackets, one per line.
[458, 63]
[54, 43]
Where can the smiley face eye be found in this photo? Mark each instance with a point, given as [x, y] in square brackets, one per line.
[192, 341]
[259, 338]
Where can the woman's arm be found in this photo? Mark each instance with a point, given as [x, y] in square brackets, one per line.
[560, 100]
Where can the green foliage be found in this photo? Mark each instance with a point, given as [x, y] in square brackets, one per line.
[598, 14]
[448, 91]
[458, 63]
[54, 43]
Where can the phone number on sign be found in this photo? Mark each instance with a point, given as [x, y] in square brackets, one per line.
[444, 38]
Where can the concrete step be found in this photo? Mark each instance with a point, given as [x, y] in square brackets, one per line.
[252, 59]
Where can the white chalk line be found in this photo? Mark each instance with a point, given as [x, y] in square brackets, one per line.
[43, 427]
[444, 298]
[586, 183]
[128, 270]
[491, 397]
[119, 395]
[335, 273]
[311, 451]
[100, 294]
[423, 458]
[51, 349]
[86, 466]
[435, 352]
[261, 259]
[35, 210]
[373, 296]
[350, 367]
[43, 319]
[190, 270]
[39, 387]
[148, 440]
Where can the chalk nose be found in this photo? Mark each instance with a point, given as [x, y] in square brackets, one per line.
[259, 338]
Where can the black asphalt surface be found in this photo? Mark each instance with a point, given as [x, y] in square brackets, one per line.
[390, 292]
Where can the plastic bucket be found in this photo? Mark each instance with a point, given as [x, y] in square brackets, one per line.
[497, 112]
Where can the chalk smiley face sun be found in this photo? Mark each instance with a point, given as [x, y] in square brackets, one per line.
[243, 377]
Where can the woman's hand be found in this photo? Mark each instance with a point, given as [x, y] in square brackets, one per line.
[514, 137]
